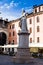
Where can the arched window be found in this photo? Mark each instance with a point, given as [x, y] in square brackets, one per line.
[13, 26]
[10, 26]
[30, 40]
[37, 19]
[36, 10]
[13, 33]
[30, 30]
[30, 21]
[39, 9]
[38, 39]
[38, 29]
[9, 34]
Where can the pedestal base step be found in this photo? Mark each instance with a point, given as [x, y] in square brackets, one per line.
[22, 60]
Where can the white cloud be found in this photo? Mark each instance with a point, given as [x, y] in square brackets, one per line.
[9, 17]
[13, 4]
[7, 12]
[10, 5]
[1, 7]
[29, 10]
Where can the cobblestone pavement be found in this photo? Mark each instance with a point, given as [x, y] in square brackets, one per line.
[7, 60]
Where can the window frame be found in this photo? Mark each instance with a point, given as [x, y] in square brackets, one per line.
[13, 26]
[38, 29]
[37, 19]
[38, 39]
[30, 30]
[30, 40]
[30, 21]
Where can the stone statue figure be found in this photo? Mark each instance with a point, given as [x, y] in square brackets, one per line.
[23, 53]
[23, 23]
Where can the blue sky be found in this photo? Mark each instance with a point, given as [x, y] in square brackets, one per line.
[12, 9]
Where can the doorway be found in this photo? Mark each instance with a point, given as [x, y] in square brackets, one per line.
[3, 38]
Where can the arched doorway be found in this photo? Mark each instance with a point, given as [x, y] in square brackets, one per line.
[3, 38]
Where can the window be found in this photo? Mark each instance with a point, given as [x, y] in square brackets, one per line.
[9, 34]
[9, 42]
[13, 26]
[36, 10]
[39, 9]
[30, 40]
[30, 21]
[13, 42]
[37, 19]
[42, 8]
[38, 39]
[10, 26]
[38, 29]
[13, 33]
[30, 30]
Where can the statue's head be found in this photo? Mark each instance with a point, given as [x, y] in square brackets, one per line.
[23, 12]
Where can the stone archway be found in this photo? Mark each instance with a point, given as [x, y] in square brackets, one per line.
[3, 38]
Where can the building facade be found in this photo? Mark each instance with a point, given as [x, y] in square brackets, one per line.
[13, 28]
[34, 24]
[3, 32]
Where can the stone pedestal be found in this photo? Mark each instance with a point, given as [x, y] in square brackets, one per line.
[23, 56]
[23, 52]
